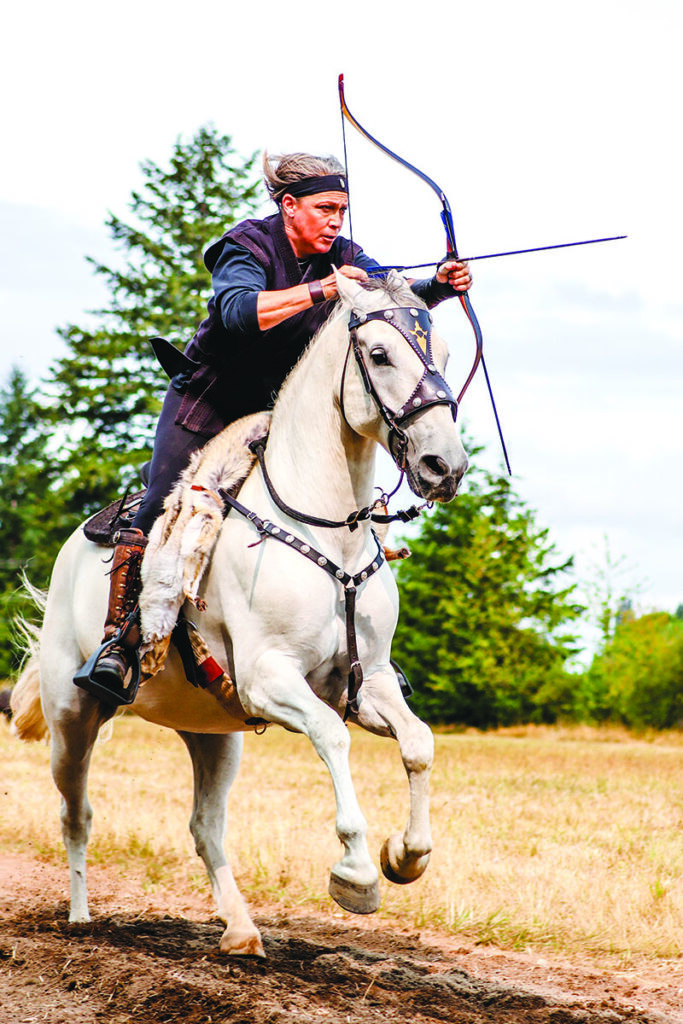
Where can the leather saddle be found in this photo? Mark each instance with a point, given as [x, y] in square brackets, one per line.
[101, 528]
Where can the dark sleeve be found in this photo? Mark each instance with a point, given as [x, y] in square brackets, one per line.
[237, 278]
[365, 262]
[432, 292]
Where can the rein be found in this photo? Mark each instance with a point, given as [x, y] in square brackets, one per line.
[415, 326]
[367, 513]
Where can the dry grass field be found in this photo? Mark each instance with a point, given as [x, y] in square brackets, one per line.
[568, 840]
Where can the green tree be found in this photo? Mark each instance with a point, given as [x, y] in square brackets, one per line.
[105, 394]
[640, 671]
[482, 632]
[610, 587]
[28, 512]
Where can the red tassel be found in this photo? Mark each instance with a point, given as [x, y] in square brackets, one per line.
[209, 670]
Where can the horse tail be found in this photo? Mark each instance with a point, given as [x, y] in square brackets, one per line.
[28, 720]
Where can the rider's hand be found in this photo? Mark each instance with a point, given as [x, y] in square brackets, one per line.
[456, 274]
[330, 285]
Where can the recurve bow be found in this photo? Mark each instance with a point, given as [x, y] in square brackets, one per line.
[451, 254]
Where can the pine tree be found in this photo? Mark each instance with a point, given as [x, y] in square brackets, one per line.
[29, 512]
[482, 632]
[105, 394]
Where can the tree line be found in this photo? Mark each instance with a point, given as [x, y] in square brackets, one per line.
[488, 630]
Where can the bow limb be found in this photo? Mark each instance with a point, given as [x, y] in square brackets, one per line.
[451, 250]
[394, 156]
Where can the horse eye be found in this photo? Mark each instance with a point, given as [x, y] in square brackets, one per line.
[379, 357]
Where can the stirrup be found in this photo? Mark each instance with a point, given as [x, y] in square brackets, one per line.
[114, 696]
[403, 681]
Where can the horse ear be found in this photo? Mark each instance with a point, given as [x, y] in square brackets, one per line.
[348, 289]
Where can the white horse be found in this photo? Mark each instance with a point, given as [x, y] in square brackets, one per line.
[274, 617]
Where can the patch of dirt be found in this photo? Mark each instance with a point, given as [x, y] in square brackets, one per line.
[152, 959]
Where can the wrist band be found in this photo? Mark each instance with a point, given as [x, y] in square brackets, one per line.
[317, 291]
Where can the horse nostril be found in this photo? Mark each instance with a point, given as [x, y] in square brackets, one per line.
[436, 465]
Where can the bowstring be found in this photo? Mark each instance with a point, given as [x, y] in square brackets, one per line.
[346, 170]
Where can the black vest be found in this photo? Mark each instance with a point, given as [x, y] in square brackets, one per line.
[239, 375]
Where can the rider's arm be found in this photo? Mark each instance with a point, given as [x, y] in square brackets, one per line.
[244, 304]
[275, 306]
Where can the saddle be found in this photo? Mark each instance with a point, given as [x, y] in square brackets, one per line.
[101, 527]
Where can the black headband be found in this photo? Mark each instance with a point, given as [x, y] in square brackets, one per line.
[310, 186]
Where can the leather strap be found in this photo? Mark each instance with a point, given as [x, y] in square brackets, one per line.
[349, 582]
[352, 520]
[317, 292]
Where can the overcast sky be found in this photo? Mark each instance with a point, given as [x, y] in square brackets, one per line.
[543, 123]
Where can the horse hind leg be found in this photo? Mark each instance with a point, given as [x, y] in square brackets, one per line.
[72, 741]
[71, 749]
[215, 761]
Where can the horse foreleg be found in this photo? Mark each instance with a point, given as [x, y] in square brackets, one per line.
[275, 690]
[382, 709]
[215, 761]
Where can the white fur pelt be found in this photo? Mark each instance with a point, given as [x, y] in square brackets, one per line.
[183, 537]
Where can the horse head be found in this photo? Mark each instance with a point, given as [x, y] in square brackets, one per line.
[393, 389]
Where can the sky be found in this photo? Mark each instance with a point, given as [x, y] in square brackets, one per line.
[543, 123]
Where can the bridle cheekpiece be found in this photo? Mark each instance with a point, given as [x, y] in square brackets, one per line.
[415, 325]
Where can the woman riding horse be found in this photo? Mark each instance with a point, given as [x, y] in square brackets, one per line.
[273, 287]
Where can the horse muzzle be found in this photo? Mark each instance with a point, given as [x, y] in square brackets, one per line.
[433, 479]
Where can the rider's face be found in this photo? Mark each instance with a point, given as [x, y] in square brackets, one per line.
[313, 222]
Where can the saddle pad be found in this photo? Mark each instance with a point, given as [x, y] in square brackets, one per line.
[101, 527]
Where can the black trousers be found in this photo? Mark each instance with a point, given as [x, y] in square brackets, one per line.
[173, 446]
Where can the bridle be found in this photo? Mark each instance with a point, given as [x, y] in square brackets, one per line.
[415, 326]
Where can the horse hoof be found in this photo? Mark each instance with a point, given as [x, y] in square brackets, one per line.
[241, 944]
[357, 899]
[79, 917]
[417, 867]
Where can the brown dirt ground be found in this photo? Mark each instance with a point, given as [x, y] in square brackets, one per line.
[152, 959]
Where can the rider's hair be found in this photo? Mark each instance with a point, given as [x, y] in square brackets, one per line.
[281, 171]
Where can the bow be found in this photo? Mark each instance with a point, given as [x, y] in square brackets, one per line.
[451, 251]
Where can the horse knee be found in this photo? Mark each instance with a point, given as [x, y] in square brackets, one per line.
[329, 732]
[417, 747]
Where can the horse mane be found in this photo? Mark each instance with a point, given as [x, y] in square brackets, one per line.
[392, 287]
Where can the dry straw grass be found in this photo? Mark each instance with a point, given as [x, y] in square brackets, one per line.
[544, 838]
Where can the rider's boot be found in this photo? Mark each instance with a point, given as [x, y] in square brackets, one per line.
[392, 554]
[112, 666]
